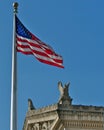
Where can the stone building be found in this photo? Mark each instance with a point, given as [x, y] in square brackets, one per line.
[64, 115]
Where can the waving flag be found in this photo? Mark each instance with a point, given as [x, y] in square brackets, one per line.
[29, 44]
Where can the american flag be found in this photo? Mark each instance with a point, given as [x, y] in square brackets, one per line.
[29, 44]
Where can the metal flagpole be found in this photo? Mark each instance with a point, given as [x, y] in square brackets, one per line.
[13, 120]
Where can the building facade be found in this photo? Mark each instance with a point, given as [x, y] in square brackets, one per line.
[64, 115]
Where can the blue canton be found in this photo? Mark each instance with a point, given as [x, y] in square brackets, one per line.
[21, 30]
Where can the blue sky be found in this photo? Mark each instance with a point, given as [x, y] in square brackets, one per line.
[75, 29]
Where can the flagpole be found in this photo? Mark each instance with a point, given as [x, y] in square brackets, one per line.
[13, 120]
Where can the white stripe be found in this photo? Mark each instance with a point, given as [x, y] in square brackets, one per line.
[24, 49]
[40, 43]
[39, 50]
[34, 41]
[32, 47]
[46, 59]
[46, 45]
[38, 56]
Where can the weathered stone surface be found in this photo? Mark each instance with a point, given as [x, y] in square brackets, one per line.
[64, 95]
[64, 116]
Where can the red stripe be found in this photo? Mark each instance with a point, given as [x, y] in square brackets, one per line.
[46, 52]
[24, 52]
[32, 51]
[30, 43]
[38, 52]
[50, 63]
[58, 61]
[38, 45]
[41, 60]
[22, 46]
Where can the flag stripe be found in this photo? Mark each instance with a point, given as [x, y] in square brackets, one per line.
[25, 41]
[40, 57]
[34, 48]
[37, 51]
[51, 63]
[24, 52]
[29, 44]
[30, 51]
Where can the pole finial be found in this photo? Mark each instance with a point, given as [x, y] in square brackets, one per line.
[15, 5]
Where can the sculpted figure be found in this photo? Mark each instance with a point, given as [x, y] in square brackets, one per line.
[64, 95]
[30, 105]
[63, 90]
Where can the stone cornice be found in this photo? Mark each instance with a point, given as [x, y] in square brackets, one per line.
[42, 110]
[74, 108]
